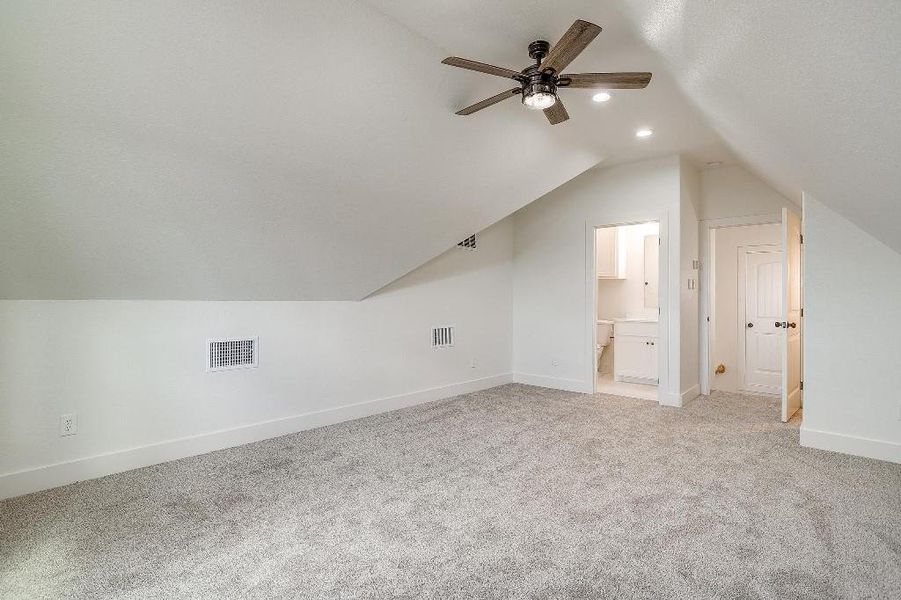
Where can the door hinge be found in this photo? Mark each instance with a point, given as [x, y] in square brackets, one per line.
[802, 385]
[802, 238]
[802, 312]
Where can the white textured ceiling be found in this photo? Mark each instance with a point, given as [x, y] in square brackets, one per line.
[268, 150]
[309, 150]
[807, 92]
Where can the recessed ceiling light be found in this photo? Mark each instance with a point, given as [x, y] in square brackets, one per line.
[643, 133]
[601, 97]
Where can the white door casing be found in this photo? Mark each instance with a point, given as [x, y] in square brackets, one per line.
[760, 270]
[791, 324]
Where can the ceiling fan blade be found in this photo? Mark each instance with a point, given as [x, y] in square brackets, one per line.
[556, 113]
[489, 101]
[607, 81]
[576, 38]
[473, 65]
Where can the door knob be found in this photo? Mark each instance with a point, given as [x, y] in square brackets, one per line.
[750, 324]
[792, 324]
[778, 323]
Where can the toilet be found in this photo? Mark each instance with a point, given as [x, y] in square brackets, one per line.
[605, 331]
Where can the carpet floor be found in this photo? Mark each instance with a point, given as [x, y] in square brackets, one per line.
[514, 492]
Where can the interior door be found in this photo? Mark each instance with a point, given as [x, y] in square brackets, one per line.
[763, 309]
[790, 323]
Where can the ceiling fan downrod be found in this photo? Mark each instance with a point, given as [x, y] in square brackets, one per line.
[538, 50]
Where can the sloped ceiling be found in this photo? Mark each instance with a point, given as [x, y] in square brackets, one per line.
[806, 92]
[289, 151]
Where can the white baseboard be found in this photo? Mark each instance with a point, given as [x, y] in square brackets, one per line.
[690, 394]
[850, 444]
[556, 383]
[673, 399]
[50, 476]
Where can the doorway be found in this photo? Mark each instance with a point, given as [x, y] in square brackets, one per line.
[751, 327]
[629, 347]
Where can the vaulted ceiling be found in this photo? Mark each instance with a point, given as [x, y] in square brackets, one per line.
[807, 92]
[309, 150]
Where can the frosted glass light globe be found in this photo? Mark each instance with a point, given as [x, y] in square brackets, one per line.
[539, 100]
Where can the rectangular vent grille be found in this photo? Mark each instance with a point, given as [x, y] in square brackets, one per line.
[469, 243]
[442, 337]
[232, 353]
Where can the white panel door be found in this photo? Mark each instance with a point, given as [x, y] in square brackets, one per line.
[791, 315]
[763, 309]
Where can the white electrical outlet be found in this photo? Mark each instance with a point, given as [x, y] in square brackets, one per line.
[472, 364]
[68, 424]
[555, 363]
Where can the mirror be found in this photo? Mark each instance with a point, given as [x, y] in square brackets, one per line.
[651, 269]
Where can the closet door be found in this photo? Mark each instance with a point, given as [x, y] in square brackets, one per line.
[791, 324]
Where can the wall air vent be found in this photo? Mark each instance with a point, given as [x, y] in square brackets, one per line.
[469, 243]
[232, 353]
[442, 337]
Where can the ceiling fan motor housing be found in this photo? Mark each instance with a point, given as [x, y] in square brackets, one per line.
[537, 82]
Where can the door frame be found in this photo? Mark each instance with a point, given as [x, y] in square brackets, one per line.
[665, 322]
[707, 320]
[742, 312]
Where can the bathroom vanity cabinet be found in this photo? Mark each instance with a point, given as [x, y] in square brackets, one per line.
[635, 355]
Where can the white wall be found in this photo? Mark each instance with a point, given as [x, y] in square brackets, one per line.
[725, 325]
[852, 297]
[619, 297]
[552, 317]
[134, 370]
[689, 198]
[734, 192]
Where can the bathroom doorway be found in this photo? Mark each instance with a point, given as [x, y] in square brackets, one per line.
[628, 344]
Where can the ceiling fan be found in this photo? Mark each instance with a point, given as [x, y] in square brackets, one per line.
[538, 83]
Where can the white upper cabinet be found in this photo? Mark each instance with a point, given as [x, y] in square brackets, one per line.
[611, 257]
[651, 268]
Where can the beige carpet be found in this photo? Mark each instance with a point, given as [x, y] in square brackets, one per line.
[516, 492]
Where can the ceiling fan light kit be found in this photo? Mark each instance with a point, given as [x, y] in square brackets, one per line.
[539, 90]
[540, 82]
